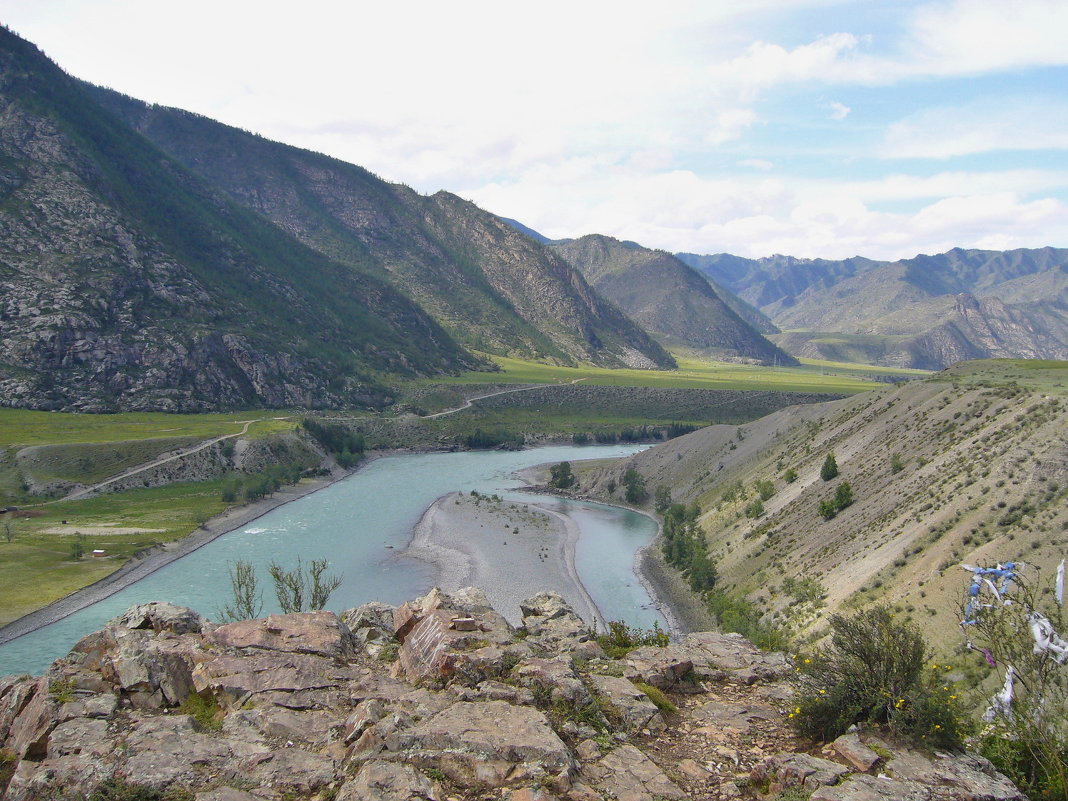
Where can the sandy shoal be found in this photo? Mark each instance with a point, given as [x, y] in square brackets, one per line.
[511, 551]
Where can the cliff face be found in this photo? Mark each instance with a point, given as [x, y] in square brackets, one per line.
[668, 298]
[488, 285]
[438, 698]
[126, 283]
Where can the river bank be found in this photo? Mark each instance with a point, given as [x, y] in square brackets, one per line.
[159, 556]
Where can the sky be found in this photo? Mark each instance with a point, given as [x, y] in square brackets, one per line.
[812, 128]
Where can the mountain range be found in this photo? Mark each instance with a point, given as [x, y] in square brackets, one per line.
[927, 312]
[671, 299]
[152, 258]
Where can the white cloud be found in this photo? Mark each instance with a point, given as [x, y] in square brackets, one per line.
[758, 216]
[980, 127]
[576, 117]
[730, 124]
[839, 111]
[764, 64]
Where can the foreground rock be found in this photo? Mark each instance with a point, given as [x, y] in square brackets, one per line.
[438, 699]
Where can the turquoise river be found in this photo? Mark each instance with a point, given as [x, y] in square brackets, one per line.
[361, 524]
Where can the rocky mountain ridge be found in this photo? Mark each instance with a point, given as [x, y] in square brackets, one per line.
[129, 284]
[669, 298]
[926, 312]
[436, 699]
[129, 281]
[490, 287]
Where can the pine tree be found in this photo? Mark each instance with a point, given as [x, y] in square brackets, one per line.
[830, 468]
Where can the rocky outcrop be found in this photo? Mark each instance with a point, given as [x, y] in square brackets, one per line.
[302, 706]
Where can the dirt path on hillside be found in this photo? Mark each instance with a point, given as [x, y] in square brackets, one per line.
[154, 463]
[470, 401]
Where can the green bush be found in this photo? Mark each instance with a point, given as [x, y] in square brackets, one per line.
[621, 639]
[657, 696]
[560, 476]
[874, 671]
[205, 712]
[742, 617]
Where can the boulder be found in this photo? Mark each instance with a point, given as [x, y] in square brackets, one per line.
[289, 771]
[862, 787]
[318, 633]
[705, 656]
[797, 770]
[556, 677]
[552, 623]
[854, 751]
[28, 735]
[294, 680]
[637, 712]
[160, 616]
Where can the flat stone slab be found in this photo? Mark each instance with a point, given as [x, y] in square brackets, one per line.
[627, 774]
[479, 743]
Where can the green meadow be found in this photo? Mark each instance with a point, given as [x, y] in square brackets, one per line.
[23, 427]
[693, 373]
[37, 565]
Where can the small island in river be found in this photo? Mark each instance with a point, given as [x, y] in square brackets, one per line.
[510, 550]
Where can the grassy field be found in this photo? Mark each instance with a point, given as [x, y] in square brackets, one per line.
[23, 427]
[692, 374]
[37, 566]
[1044, 375]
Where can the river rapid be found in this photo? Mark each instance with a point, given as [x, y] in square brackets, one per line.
[361, 524]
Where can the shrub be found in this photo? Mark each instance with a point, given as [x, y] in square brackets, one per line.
[560, 476]
[204, 711]
[743, 617]
[843, 497]
[634, 484]
[621, 639]
[790, 476]
[657, 696]
[874, 672]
